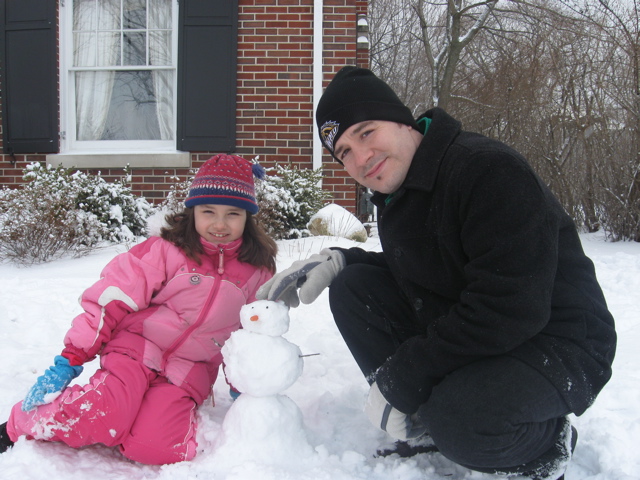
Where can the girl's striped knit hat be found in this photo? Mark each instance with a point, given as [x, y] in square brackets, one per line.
[226, 180]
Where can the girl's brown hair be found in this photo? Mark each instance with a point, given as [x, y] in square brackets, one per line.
[257, 249]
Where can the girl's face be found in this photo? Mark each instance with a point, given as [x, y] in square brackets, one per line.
[220, 223]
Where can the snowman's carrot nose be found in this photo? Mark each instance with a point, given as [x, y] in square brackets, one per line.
[254, 318]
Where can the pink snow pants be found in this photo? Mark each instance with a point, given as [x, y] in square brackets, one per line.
[124, 404]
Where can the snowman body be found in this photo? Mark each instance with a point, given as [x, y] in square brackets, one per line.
[261, 365]
[262, 424]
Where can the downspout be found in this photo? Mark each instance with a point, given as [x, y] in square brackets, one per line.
[317, 77]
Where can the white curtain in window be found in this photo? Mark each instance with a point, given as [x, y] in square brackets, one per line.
[160, 23]
[94, 89]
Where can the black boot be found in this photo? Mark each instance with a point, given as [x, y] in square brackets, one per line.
[551, 464]
[555, 461]
[561, 447]
[5, 441]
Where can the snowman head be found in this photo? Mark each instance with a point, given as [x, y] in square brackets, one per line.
[265, 317]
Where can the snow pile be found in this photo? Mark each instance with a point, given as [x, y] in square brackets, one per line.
[38, 303]
[337, 221]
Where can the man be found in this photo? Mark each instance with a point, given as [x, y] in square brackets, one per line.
[481, 323]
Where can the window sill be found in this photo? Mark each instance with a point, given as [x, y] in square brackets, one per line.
[121, 160]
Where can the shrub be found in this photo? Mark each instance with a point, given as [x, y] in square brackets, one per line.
[37, 228]
[178, 191]
[122, 213]
[288, 200]
[58, 213]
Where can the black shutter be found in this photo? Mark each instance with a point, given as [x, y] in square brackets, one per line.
[29, 76]
[207, 60]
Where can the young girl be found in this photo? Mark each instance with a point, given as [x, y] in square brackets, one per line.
[157, 318]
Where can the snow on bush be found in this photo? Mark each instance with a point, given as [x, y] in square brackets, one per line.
[288, 199]
[57, 213]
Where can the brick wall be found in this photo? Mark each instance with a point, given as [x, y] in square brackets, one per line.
[274, 99]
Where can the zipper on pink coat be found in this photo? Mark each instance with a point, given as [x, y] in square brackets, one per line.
[221, 261]
[205, 309]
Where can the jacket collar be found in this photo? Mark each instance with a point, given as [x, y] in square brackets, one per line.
[424, 167]
[224, 251]
[230, 249]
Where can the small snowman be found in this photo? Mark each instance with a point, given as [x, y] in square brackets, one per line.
[262, 424]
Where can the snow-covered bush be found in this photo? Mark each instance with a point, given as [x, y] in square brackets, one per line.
[288, 200]
[58, 212]
[122, 213]
[178, 191]
[37, 228]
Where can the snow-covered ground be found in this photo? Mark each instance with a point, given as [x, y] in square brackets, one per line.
[38, 303]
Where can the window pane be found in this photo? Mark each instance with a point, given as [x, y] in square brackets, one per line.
[84, 49]
[109, 14]
[160, 48]
[93, 94]
[134, 14]
[108, 51]
[134, 48]
[160, 14]
[124, 105]
[84, 15]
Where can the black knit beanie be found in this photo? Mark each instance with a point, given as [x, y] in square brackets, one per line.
[353, 96]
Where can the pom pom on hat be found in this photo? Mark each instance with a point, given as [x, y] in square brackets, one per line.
[226, 180]
[258, 171]
[356, 95]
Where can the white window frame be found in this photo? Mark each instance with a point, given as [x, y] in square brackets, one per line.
[105, 149]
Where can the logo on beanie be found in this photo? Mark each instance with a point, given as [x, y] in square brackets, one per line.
[328, 133]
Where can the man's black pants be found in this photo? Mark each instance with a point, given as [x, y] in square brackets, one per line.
[494, 414]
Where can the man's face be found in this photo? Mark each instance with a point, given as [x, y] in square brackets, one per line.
[378, 153]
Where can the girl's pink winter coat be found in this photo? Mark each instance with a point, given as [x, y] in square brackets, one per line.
[166, 311]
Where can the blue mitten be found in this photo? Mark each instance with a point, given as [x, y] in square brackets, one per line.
[53, 381]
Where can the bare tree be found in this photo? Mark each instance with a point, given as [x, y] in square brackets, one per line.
[424, 40]
[395, 55]
[617, 23]
[463, 21]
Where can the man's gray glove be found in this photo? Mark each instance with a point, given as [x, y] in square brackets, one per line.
[311, 276]
[397, 424]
